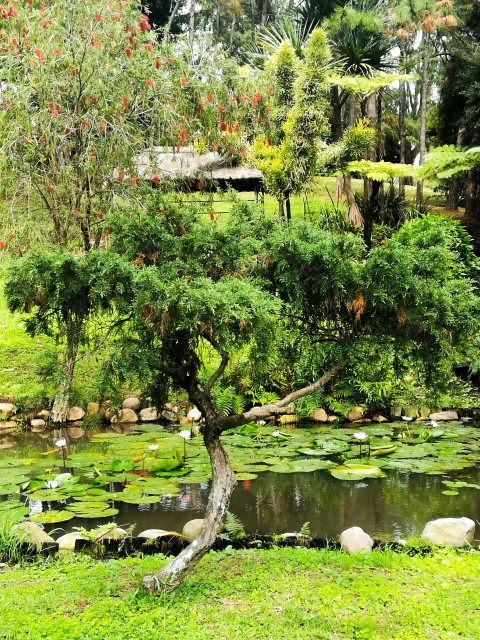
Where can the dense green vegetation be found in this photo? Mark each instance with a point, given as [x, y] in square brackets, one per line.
[251, 316]
[286, 593]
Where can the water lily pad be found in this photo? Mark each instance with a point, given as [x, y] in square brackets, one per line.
[356, 472]
[47, 495]
[450, 492]
[50, 517]
[246, 476]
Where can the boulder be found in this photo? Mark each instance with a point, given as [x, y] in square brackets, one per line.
[125, 415]
[113, 534]
[31, 533]
[192, 528]
[424, 412]
[333, 418]
[7, 408]
[184, 421]
[355, 540]
[75, 413]
[288, 419]
[67, 541]
[152, 534]
[194, 414]
[93, 408]
[150, 414]
[444, 415]
[7, 427]
[38, 423]
[453, 532]
[319, 415]
[171, 407]
[410, 411]
[170, 416]
[131, 403]
[379, 418]
[44, 413]
[355, 414]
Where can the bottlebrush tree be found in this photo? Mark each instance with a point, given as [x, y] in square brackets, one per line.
[83, 89]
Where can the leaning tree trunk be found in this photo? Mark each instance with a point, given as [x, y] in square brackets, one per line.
[402, 110]
[223, 481]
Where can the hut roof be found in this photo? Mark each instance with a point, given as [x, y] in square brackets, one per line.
[186, 164]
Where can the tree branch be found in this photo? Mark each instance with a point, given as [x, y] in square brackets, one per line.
[281, 407]
[216, 375]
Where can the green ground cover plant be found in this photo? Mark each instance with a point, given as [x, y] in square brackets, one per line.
[286, 594]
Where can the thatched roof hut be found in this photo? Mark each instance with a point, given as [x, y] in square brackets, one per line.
[187, 169]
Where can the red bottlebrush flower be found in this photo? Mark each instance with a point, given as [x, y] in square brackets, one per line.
[201, 185]
[73, 71]
[39, 55]
[183, 135]
[229, 128]
[183, 81]
[100, 215]
[76, 211]
[259, 119]
[14, 42]
[121, 176]
[128, 52]
[258, 96]
[144, 26]
[212, 215]
[102, 124]
[42, 9]
[56, 53]
[158, 64]
[233, 151]
[98, 18]
[49, 188]
[12, 236]
[149, 47]
[94, 99]
[270, 90]
[85, 122]
[150, 82]
[67, 130]
[3, 244]
[254, 101]
[223, 126]
[45, 22]
[133, 181]
[170, 60]
[155, 179]
[55, 113]
[125, 101]
[209, 98]
[221, 108]
[116, 16]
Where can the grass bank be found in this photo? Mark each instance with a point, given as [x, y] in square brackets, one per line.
[290, 594]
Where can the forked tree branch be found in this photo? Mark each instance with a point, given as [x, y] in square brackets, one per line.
[216, 375]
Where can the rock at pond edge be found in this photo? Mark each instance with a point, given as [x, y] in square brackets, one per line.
[453, 532]
[355, 540]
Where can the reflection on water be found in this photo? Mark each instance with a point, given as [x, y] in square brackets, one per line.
[397, 506]
[387, 508]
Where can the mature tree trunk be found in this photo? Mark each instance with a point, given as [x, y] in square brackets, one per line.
[191, 24]
[402, 110]
[353, 212]
[61, 403]
[223, 481]
[337, 131]
[472, 204]
[453, 195]
[423, 110]
[264, 16]
[288, 207]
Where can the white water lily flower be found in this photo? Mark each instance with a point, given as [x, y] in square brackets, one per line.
[275, 434]
[51, 484]
[61, 443]
[360, 435]
[261, 422]
[186, 435]
[434, 424]
[153, 447]
[407, 418]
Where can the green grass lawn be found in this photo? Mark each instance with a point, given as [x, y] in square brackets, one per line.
[290, 594]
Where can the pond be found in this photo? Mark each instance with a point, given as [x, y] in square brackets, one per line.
[139, 477]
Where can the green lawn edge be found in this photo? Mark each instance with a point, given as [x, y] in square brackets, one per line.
[292, 594]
